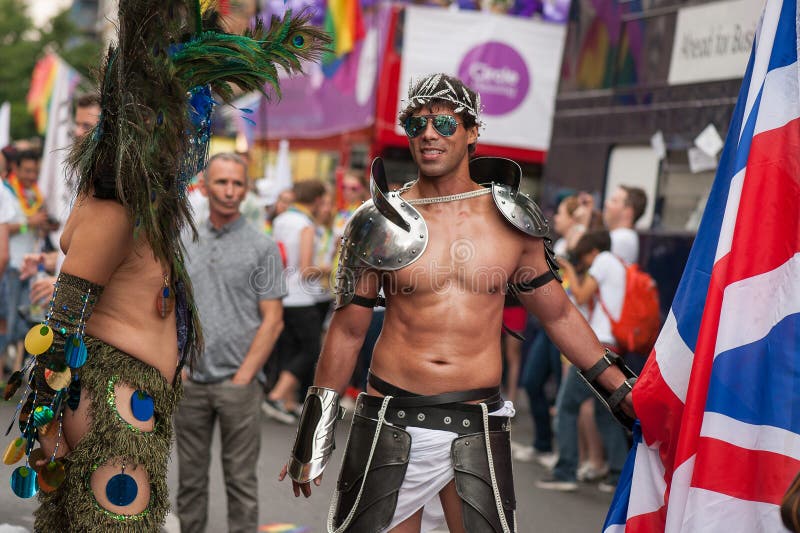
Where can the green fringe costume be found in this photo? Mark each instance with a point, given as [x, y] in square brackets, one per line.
[73, 507]
[156, 100]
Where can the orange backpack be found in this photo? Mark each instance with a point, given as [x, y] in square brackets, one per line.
[639, 322]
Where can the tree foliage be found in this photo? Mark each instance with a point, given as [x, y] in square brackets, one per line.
[21, 45]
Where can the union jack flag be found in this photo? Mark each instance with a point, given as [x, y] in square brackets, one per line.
[719, 399]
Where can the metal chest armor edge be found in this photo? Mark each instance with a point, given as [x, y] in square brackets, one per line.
[387, 233]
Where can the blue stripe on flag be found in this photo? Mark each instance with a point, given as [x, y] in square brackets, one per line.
[618, 513]
[757, 383]
[693, 288]
[784, 50]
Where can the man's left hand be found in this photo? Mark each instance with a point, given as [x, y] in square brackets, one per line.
[241, 380]
[627, 405]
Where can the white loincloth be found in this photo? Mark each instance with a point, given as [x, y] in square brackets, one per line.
[430, 468]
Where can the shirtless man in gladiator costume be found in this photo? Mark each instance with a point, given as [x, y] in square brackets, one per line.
[445, 249]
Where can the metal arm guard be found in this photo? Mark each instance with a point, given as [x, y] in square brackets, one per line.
[611, 400]
[315, 439]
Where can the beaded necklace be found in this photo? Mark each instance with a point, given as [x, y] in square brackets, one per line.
[29, 207]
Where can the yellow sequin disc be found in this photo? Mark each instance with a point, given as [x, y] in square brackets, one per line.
[58, 380]
[15, 451]
[39, 339]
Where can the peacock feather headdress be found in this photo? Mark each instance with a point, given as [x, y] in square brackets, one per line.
[156, 88]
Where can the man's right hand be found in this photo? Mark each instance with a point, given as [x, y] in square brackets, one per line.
[305, 488]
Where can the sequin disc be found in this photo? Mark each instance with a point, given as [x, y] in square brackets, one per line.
[53, 473]
[165, 302]
[75, 351]
[23, 482]
[142, 406]
[121, 490]
[58, 380]
[43, 486]
[35, 458]
[42, 415]
[15, 451]
[38, 339]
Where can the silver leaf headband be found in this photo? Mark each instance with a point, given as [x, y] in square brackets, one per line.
[426, 91]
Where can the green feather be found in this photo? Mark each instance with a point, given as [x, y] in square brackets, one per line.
[136, 152]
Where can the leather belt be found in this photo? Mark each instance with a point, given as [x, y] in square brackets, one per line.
[461, 418]
[446, 412]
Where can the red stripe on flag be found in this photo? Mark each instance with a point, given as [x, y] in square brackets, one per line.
[766, 233]
[648, 523]
[659, 410]
[745, 474]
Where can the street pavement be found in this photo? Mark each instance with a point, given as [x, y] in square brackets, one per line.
[538, 511]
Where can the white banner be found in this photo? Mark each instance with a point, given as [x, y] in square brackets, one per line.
[512, 62]
[713, 41]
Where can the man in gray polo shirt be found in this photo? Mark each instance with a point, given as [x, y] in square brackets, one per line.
[237, 274]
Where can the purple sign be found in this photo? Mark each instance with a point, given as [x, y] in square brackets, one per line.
[327, 101]
[499, 74]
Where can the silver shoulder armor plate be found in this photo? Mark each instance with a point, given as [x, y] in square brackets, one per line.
[385, 233]
[520, 210]
[504, 176]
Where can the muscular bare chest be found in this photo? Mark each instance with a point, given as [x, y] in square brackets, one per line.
[471, 250]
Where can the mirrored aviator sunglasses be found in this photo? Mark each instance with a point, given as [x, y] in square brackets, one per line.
[445, 125]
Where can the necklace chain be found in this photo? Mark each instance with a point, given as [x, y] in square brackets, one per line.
[449, 198]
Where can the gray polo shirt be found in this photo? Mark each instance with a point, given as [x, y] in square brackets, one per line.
[232, 269]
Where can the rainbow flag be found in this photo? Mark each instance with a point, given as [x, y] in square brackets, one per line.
[345, 23]
[40, 94]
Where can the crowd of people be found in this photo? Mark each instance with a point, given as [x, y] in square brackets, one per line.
[263, 283]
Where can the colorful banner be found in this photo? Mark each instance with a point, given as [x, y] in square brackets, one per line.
[512, 62]
[40, 93]
[315, 106]
[62, 83]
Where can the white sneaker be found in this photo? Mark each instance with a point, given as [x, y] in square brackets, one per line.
[551, 483]
[276, 410]
[547, 459]
[588, 473]
[522, 453]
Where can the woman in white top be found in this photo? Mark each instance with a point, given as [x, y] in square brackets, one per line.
[298, 346]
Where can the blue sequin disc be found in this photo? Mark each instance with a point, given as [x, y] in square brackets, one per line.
[75, 351]
[142, 406]
[23, 482]
[121, 490]
[42, 415]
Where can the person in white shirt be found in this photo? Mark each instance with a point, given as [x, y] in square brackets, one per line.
[299, 344]
[605, 280]
[621, 210]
